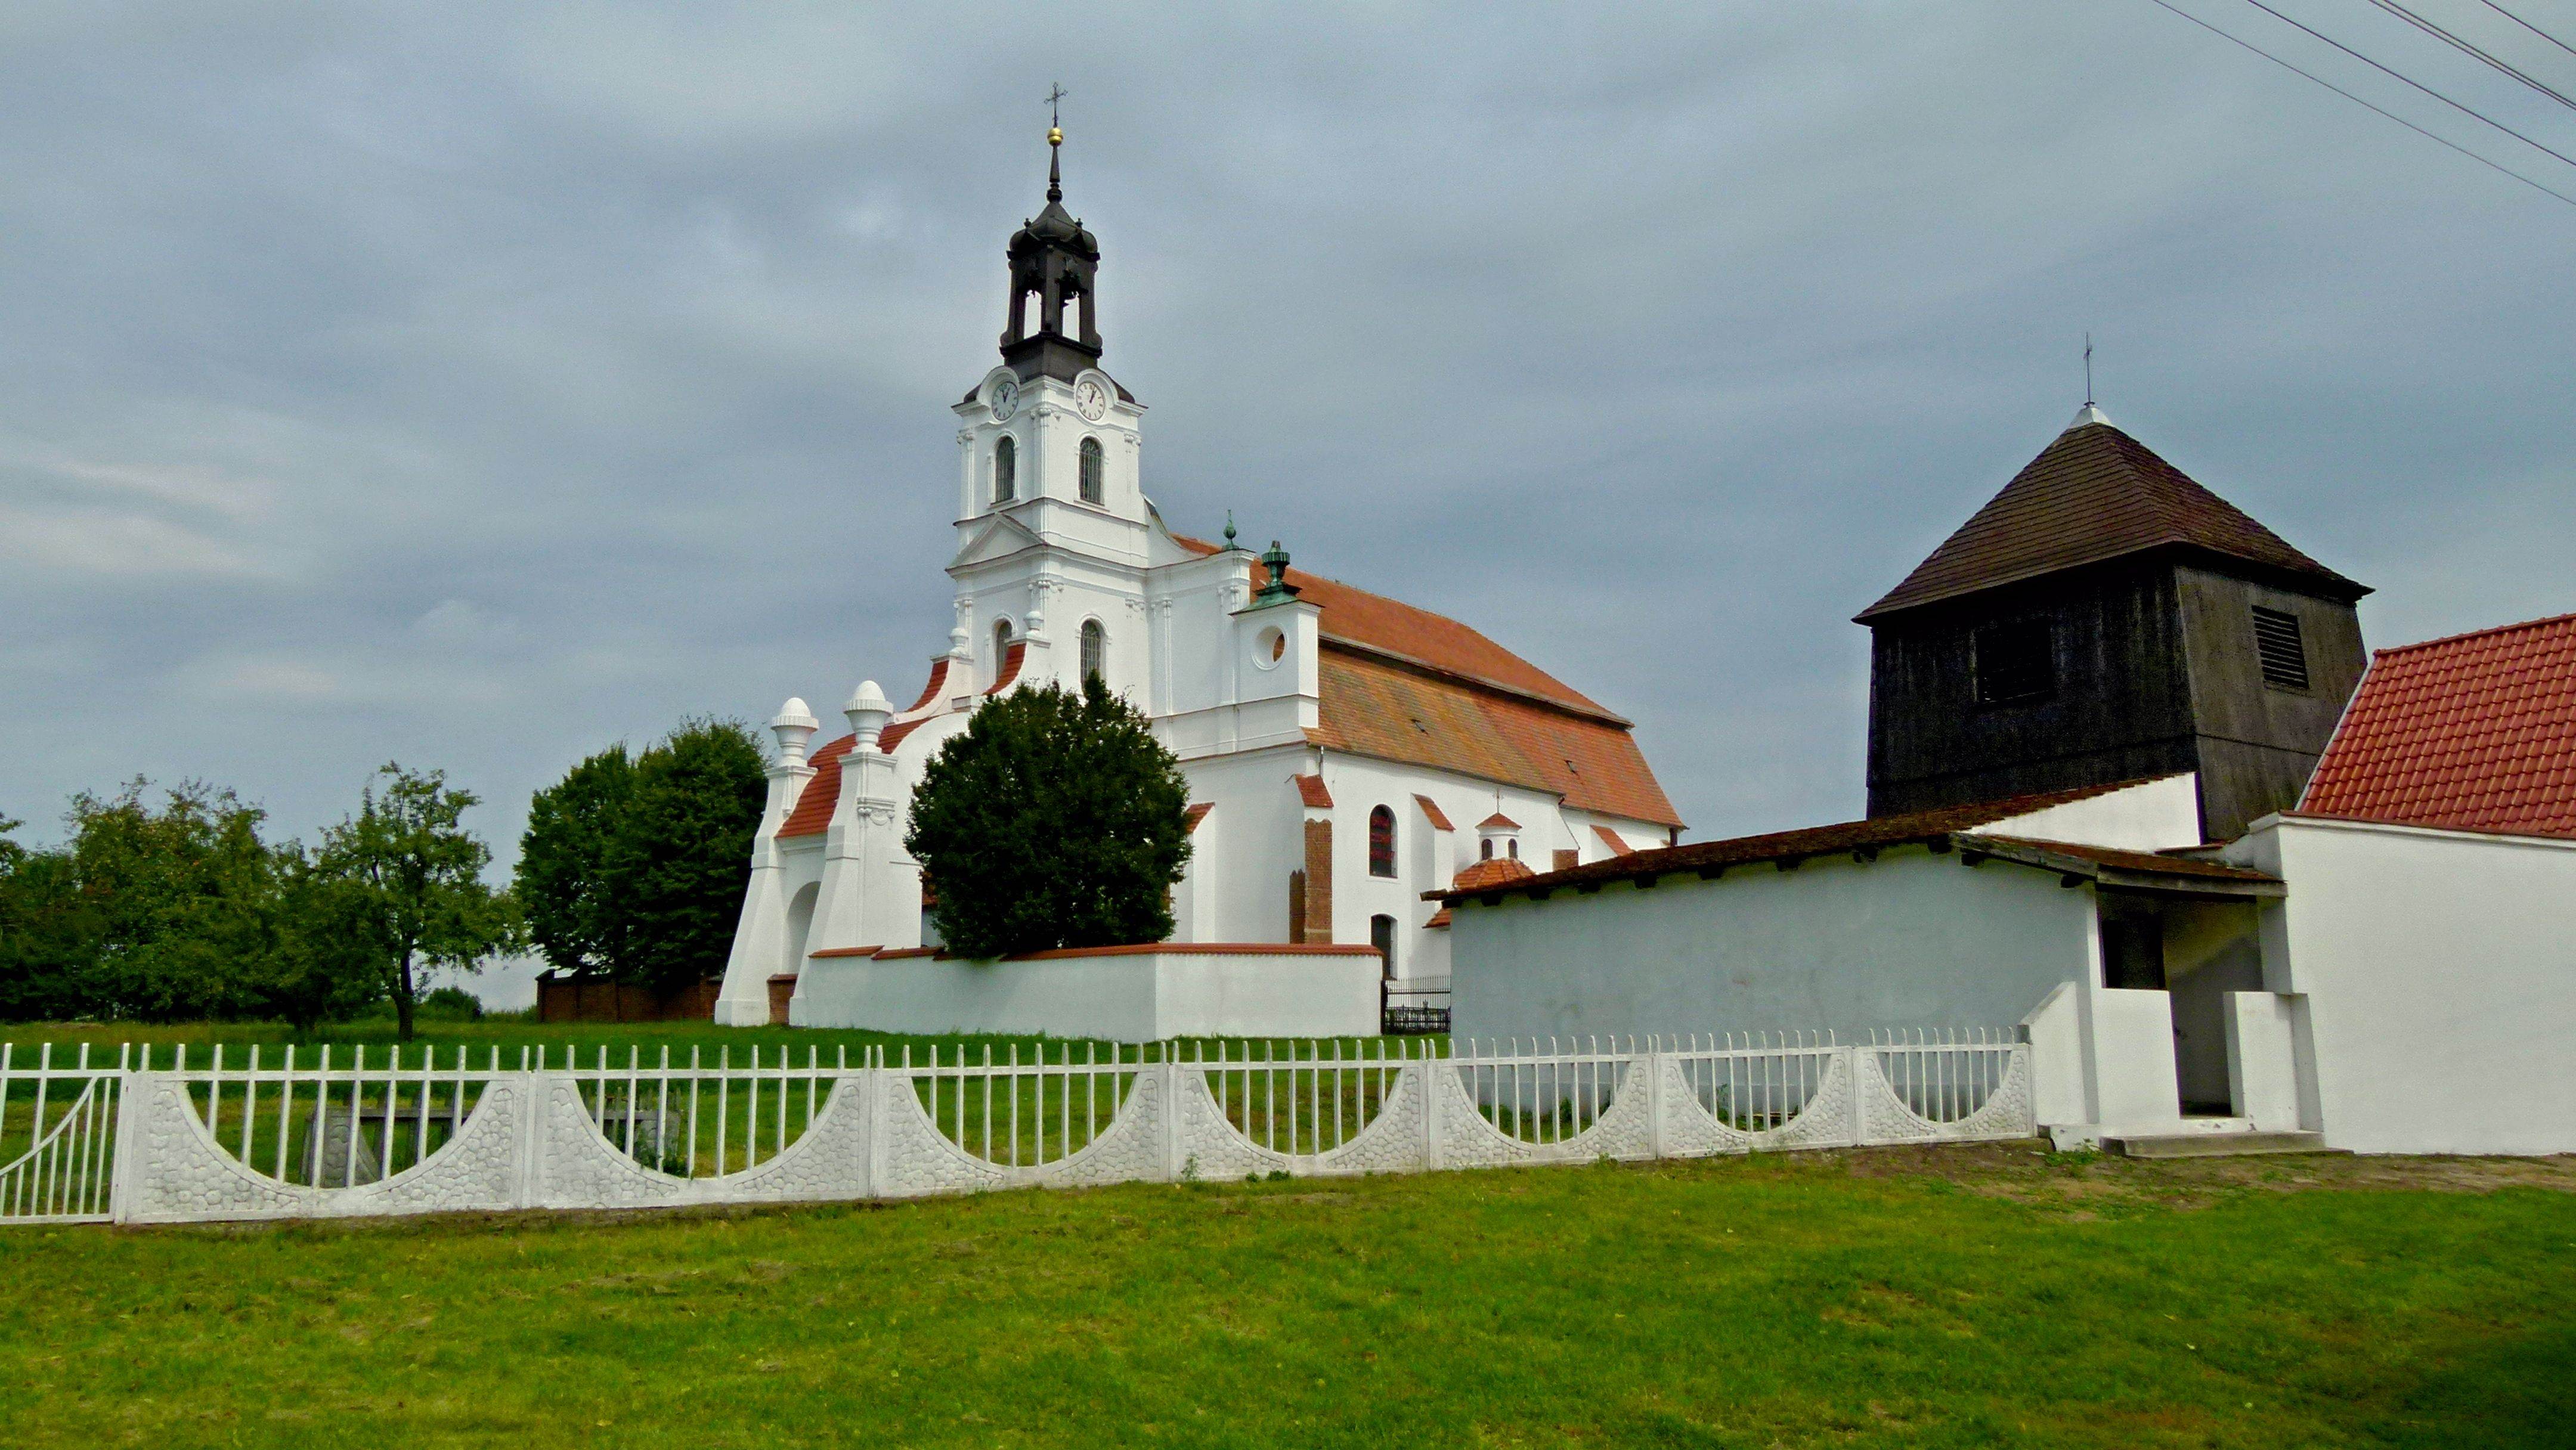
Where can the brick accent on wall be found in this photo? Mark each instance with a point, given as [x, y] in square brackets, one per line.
[1319, 883]
[1567, 857]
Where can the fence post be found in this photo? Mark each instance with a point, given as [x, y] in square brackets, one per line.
[1174, 1163]
[1655, 1096]
[875, 1088]
[1427, 1065]
[529, 1147]
[1851, 1079]
[124, 1165]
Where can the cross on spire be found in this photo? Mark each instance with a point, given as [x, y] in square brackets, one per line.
[1055, 140]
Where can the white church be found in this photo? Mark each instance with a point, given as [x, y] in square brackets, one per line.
[1345, 753]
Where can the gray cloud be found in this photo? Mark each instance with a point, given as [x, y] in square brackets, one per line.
[476, 385]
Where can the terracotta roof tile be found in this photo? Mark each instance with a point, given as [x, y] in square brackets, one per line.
[1492, 871]
[930, 692]
[2093, 494]
[1310, 789]
[1610, 838]
[1371, 706]
[1431, 812]
[1196, 813]
[1498, 821]
[2476, 732]
[813, 813]
[1011, 659]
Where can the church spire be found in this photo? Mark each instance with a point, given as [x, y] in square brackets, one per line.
[1054, 323]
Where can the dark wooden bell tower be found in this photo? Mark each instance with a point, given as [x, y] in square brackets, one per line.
[2102, 619]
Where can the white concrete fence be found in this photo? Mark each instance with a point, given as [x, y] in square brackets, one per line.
[166, 1137]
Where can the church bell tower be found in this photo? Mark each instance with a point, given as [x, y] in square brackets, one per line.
[1054, 527]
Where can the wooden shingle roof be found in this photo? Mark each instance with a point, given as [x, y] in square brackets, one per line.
[2094, 494]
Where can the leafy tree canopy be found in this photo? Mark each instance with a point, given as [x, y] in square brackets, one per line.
[1054, 819]
[635, 869]
[410, 878]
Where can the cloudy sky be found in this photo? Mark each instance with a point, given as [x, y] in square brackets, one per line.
[476, 385]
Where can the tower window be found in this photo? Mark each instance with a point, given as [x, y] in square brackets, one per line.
[1091, 470]
[2284, 655]
[2015, 662]
[1095, 651]
[1006, 470]
[1382, 842]
[1001, 646]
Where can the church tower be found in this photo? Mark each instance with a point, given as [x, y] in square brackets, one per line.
[1053, 525]
[2105, 618]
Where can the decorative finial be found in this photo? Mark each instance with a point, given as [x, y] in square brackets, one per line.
[2088, 369]
[1055, 141]
[1229, 528]
[1278, 590]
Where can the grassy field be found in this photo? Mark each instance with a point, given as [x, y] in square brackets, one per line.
[1961, 1296]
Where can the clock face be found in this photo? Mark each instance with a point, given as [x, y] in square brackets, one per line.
[1092, 399]
[1006, 399]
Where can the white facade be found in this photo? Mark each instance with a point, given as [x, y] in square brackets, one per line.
[1120, 995]
[2429, 980]
[1061, 560]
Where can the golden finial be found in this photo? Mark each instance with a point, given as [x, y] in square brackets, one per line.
[1055, 135]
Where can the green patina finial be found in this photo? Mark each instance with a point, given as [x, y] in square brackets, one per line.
[1278, 590]
[1229, 528]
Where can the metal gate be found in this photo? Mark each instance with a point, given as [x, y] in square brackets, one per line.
[58, 1138]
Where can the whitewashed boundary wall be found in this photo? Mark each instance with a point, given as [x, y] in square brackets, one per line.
[162, 1138]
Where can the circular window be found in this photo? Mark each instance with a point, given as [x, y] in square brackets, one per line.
[1269, 647]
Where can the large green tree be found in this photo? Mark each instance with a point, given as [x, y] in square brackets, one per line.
[679, 861]
[562, 881]
[409, 877]
[633, 868]
[1054, 819]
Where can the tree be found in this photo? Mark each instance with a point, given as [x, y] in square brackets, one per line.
[416, 897]
[562, 881]
[324, 967]
[678, 862]
[1055, 819]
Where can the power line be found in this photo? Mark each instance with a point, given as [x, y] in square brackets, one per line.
[2474, 52]
[2527, 25]
[2410, 80]
[2358, 101]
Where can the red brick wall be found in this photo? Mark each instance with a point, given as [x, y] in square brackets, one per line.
[590, 999]
[1319, 883]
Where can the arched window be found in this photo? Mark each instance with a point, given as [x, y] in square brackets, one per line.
[1006, 470]
[1001, 647]
[1382, 842]
[1095, 651]
[1382, 937]
[1515, 846]
[1485, 849]
[1091, 470]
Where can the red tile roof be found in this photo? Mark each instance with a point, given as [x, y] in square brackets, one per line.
[1498, 821]
[1011, 659]
[1197, 813]
[1492, 871]
[2093, 494]
[1403, 684]
[930, 692]
[1431, 812]
[813, 813]
[1310, 789]
[2476, 732]
[1610, 838]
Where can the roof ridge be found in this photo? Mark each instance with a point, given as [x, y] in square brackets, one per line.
[2399, 649]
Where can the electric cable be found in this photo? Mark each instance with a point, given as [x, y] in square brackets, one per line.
[2358, 101]
[2471, 50]
[2527, 25]
[2410, 80]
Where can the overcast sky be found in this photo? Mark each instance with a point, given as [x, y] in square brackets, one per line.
[477, 385]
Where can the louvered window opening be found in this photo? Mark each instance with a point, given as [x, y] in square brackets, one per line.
[1090, 477]
[2015, 663]
[1006, 471]
[2284, 655]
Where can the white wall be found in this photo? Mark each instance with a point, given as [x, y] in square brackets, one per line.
[2438, 971]
[1911, 939]
[1126, 996]
[2149, 816]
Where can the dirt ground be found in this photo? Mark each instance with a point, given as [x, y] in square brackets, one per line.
[2027, 1172]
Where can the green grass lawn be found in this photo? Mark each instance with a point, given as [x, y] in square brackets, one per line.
[1963, 1296]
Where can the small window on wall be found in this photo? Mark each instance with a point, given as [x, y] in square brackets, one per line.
[1382, 937]
[1095, 651]
[1091, 470]
[2284, 655]
[1001, 646]
[1382, 842]
[2015, 662]
[1006, 470]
